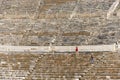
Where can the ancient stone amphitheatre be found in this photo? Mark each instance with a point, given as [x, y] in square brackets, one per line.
[38, 39]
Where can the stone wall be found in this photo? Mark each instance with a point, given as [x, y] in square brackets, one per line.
[34, 22]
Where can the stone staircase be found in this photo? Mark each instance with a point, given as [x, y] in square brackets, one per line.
[88, 26]
[106, 67]
[66, 66]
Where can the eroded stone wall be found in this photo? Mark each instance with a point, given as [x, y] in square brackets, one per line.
[35, 22]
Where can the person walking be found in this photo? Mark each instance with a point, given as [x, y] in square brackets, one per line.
[76, 49]
[91, 59]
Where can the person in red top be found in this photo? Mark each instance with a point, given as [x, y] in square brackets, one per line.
[76, 49]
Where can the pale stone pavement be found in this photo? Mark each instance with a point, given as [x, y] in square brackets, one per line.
[82, 48]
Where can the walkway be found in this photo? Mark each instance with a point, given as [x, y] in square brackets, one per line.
[82, 48]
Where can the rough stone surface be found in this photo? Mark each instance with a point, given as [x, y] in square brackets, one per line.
[20, 66]
[37, 22]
